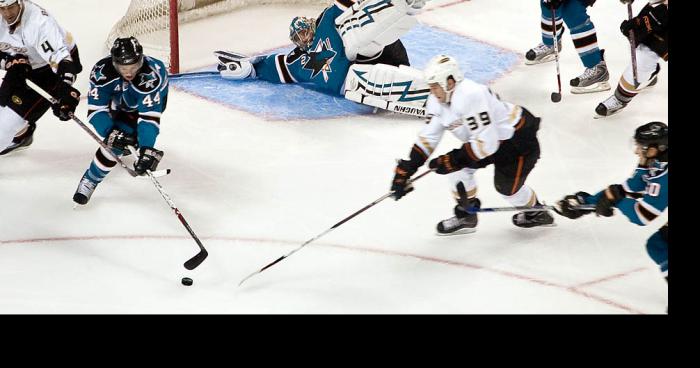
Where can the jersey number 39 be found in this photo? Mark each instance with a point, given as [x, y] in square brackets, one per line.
[473, 124]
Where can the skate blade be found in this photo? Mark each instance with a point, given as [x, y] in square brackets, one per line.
[545, 59]
[598, 87]
[464, 231]
[554, 224]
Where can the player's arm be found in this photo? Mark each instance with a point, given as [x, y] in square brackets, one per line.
[152, 103]
[103, 79]
[282, 68]
[428, 139]
[51, 45]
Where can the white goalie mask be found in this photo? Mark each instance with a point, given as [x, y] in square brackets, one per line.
[440, 68]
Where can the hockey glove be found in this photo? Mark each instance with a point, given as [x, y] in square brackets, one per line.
[609, 199]
[400, 185]
[567, 206]
[552, 3]
[149, 158]
[120, 140]
[455, 160]
[68, 99]
[18, 69]
[650, 20]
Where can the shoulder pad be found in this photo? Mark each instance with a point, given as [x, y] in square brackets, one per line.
[151, 77]
[103, 72]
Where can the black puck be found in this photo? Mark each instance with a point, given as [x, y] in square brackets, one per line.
[187, 281]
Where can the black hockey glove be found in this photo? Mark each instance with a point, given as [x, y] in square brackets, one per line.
[149, 158]
[18, 69]
[452, 161]
[404, 170]
[68, 99]
[120, 140]
[652, 19]
[605, 205]
[567, 206]
[552, 3]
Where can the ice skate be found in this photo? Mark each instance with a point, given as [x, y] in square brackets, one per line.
[85, 189]
[610, 106]
[533, 218]
[22, 142]
[593, 79]
[541, 54]
[462, 223]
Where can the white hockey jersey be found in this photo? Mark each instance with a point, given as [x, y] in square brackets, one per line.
[475, 115]
[38, 36]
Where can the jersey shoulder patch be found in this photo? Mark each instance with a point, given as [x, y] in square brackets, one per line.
[151, 77]
[103, 72]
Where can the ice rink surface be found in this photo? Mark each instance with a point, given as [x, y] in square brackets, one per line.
[253, 189]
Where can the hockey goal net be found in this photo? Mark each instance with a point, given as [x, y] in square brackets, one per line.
[156, 22]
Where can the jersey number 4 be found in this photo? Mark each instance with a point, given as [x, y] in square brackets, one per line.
[473, 124]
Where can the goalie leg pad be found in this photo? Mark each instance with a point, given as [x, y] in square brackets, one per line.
[368, 26]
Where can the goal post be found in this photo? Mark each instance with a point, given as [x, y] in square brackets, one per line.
[157, 22]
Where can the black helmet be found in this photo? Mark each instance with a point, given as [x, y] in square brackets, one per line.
[654, 134]
[126, 51]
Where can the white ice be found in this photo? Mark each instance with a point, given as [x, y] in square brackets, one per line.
[254, 190]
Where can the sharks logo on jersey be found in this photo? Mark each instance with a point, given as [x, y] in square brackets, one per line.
[319, 60]
[97, 74]
[147, 81]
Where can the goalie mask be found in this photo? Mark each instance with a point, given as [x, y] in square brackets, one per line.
[440, 69]
[301, 32]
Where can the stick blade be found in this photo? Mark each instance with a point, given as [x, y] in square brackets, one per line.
[195, 261]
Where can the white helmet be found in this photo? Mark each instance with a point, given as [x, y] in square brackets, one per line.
[440, 68]
[6, 3]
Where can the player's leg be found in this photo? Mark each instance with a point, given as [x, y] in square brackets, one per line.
[463, 186]
[544, 52]
[647, 71]
[514, 161]
[101, 165]
[657, 247]
[10, 124]
[583, 33]
[394, 54]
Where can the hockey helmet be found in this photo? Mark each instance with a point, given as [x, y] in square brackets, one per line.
[301, 32]
[654, 134]
[6, 3]
[126, 51]
[440, 68]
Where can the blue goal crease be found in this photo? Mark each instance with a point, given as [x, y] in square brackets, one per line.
[480, 62]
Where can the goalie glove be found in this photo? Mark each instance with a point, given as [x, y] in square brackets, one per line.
[233, 65]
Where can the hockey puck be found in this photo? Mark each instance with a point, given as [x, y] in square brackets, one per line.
[556, 97]
[187, 281]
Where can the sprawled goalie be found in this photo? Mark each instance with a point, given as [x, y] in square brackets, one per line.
[352, 49]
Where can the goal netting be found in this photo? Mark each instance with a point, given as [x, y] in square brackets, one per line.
[156, 22]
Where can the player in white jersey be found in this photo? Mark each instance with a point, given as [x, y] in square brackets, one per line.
[493, 131]
[33, 46]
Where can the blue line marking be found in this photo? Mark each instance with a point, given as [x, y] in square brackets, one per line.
[480, 62]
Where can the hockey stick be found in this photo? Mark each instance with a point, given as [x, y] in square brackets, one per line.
[195, 261]
[94, 136]
[556, 96]
[526, 208]
[633, 47]
[329, 229]
[207, 73]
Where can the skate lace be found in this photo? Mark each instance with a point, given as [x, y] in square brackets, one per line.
[86, 186]
[542, 48]
[452, 222]
[612, 103]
